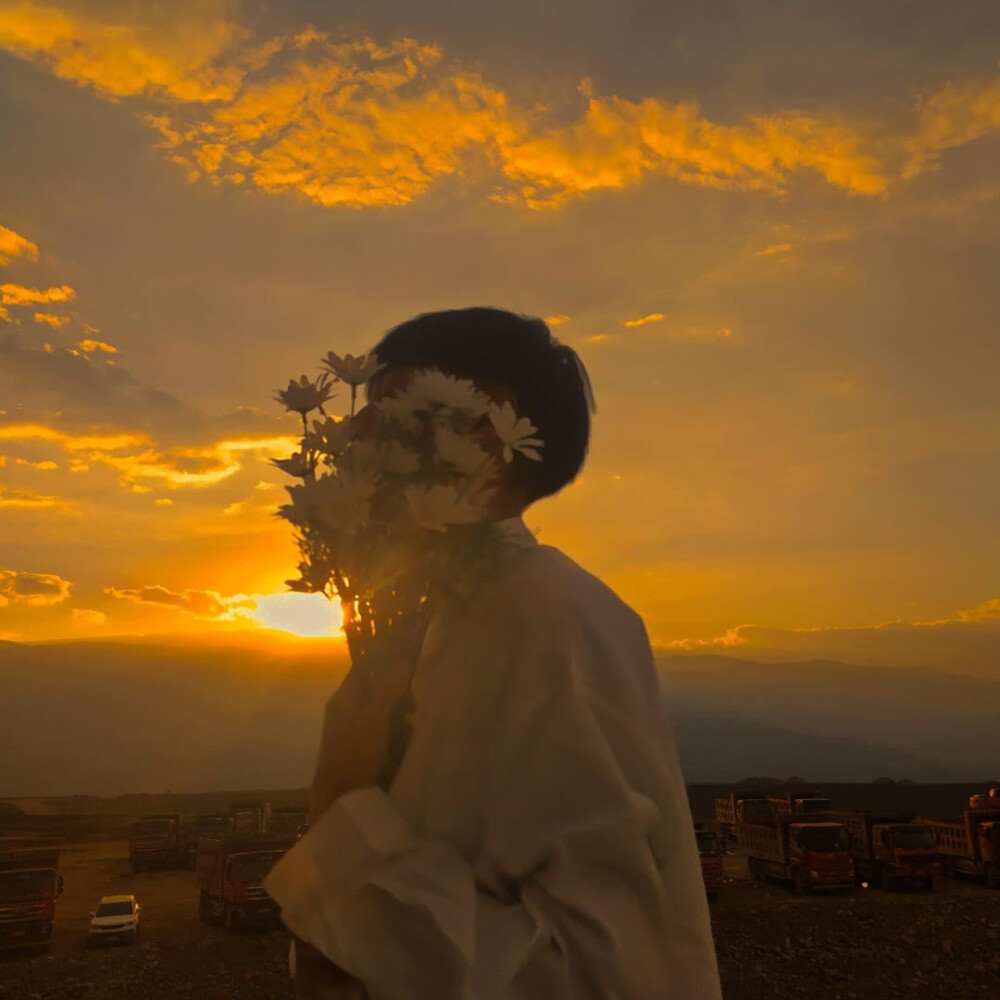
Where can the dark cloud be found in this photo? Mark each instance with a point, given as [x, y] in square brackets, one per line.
[200, 603]
[85, 388]
[33, 589]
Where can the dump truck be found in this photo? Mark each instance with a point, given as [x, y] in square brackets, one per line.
[208, 825]
[231, 871]
[890, 849]
[30, 883]
[735, 808]
[970, 845]
[710, 854]
[288, 819]
[800, 803]
[986, 800]
[250, 817]
[156, 842]
[808, 854]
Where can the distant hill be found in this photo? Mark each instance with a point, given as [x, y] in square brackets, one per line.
[924, 712]
[115, 717]
[110, 717]
[717, 748]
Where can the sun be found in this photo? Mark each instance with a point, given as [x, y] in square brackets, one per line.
[300, 614]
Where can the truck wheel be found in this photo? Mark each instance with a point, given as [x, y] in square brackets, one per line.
[228, 916]
[799, 886]
[885, 879]
[928, 885]
[992, 878]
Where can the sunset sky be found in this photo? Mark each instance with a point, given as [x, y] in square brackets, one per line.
[770, 230]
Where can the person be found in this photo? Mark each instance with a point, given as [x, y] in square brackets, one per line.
[535, 841]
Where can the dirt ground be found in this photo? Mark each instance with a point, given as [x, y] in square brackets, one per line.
[176, 955]
[869, 945]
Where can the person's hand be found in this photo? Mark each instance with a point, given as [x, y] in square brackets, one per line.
[354, 750]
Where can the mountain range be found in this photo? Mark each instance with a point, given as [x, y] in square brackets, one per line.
[133, 715]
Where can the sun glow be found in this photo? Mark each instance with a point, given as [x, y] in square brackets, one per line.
[300, 614]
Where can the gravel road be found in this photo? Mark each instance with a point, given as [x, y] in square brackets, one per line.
[869, 945]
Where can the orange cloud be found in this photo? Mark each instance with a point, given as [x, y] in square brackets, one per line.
[731, 637]
[986, 612]
[200, 603]
[617, 143]
[18, 295]
[811, 640]
[136, 457]
[90, 346]
[775, 248]
[88, 618]
[181, 467]
[32, 589]
[51, 319]
[557, 320]
[175, 58]
[957, 114]
[357, 123]
[80, 442]
[643, 320]
[45, 466]
[27, 500]
[12, 245]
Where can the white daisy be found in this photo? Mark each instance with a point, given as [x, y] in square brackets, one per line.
[352, 370]
[515, 433]
[304, 395]
[437, 390]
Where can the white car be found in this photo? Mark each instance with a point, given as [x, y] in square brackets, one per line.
[115, 919]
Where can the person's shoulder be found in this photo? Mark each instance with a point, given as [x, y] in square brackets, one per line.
[566, 629]
[543, 582]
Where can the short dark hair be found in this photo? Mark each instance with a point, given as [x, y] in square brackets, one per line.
[496, 347]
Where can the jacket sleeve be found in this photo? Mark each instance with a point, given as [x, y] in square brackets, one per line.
[588, 884]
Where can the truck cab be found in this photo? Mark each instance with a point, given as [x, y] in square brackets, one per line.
[801, 803]
[154, 842]
[29, 887]
[231, 872]
[989, 851]
[904, 852]
[710, 854]
[208, 825]
[820, 854]
[287, 819]
[250, 817]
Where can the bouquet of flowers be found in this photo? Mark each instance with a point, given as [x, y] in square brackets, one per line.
[393, 510]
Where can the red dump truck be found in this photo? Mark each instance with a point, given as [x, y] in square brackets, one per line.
[800, 803]
[970, 845]
[29, 886]
[250, 817]
[156, 842]
[890, 850]
[230, 873]
[808, 854]
[288, 819]
[209, 825]
[735, 809]
[710, 854]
